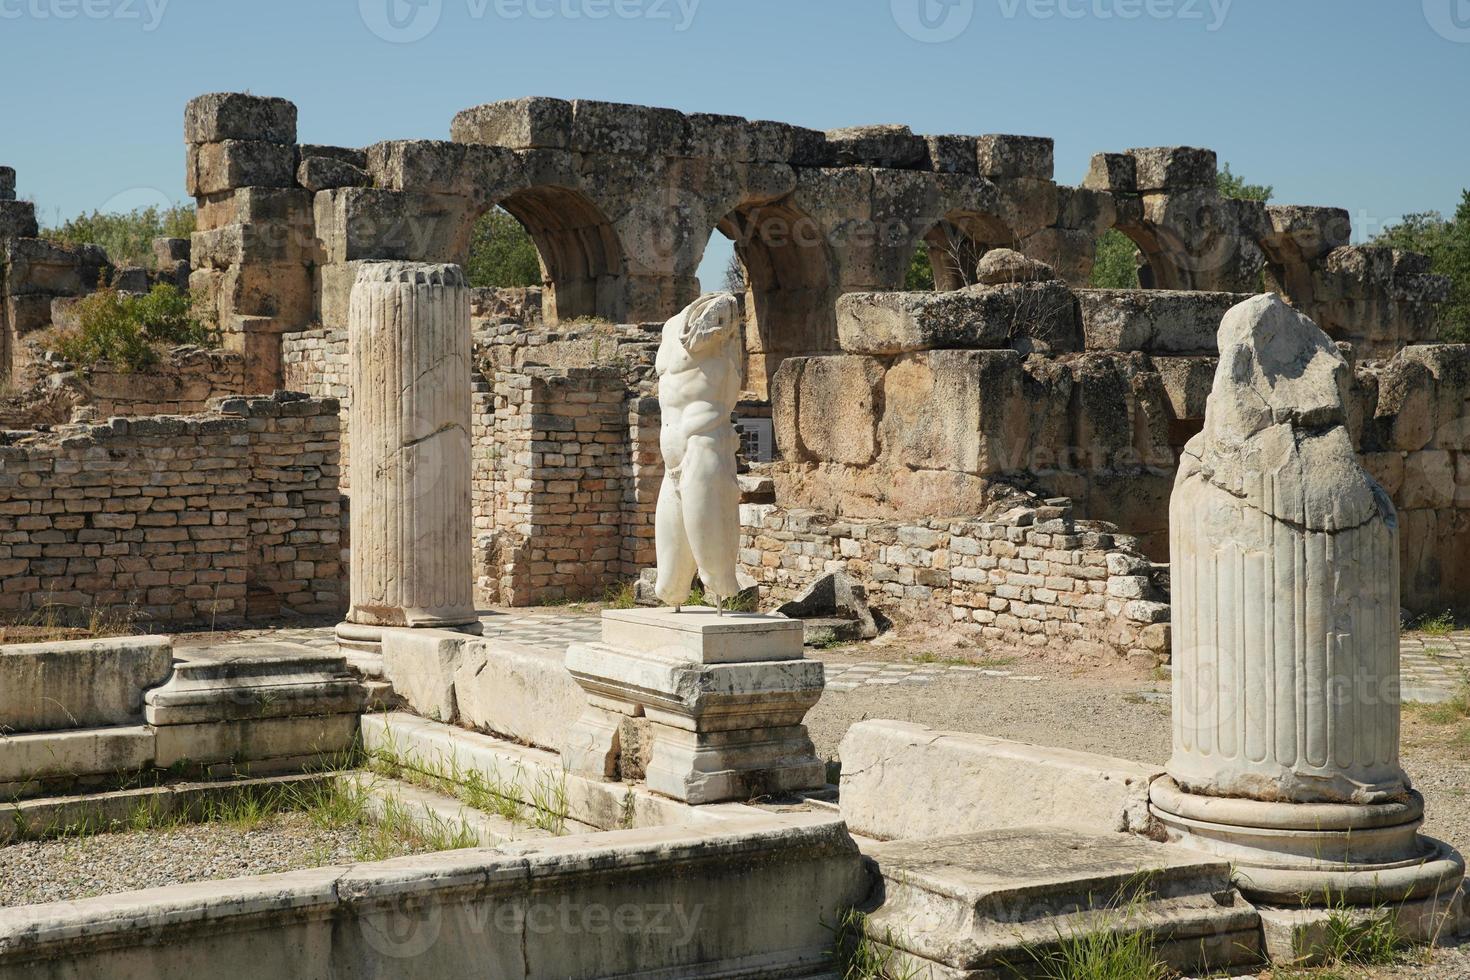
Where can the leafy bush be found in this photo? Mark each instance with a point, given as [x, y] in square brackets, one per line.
[127, 236]
[502, 253]
[1447, 243]
[1116, 266]
[124, 330]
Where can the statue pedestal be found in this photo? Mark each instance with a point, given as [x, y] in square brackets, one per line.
[725, 697]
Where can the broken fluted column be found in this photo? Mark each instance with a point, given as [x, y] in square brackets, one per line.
[409, 346]
[1285, 583]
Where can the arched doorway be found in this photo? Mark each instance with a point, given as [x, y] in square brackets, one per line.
[582, 266]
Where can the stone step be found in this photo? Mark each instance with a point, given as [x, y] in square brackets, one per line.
[433, 810]
[253, 681]
[984, 906]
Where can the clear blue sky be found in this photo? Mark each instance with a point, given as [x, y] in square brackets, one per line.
[1356, 103]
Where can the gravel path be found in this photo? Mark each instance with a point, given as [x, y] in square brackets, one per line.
[33, 872]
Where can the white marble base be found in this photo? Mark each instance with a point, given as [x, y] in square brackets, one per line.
[703, 635]
[725, 730]
[1314, 854]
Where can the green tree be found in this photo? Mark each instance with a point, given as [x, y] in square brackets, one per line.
[127, 235]
[1230, 185]
[1116, 265]
[502, 253]
[1447, 243]
[920, 275]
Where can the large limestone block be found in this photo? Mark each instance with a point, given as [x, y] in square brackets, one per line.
[1155, 321]
[521, 692]
[222, 116]
[1173, 168]
[521, 124]
[956, 410]
[1285, 572]
[79, 684]
[409, 341]
[421, 664]
[703, 636]
[838, 399]
[216, 167]
[1031, 318]
[1002, 156]
[893, 772]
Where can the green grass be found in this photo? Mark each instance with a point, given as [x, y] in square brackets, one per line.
[538, 802]
[1105, 948]
[1440, 625]
[860, 957]
[622, 596]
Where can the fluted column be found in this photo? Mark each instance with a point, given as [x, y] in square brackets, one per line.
[409, 347]
[1285, 586]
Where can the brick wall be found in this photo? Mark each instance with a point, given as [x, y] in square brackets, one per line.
[1031, 577]
[178, 518]
[555, 511]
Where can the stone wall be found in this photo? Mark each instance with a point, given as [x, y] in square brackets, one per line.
[178, 519]
[1029, 576]
[621, 201]
[551, 527]
[184, 383]
[944, 401]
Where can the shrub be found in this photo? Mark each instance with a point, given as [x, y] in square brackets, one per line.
[127, 236]
[124, 330]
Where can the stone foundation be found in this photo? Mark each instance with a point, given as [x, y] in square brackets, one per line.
[1029, 577]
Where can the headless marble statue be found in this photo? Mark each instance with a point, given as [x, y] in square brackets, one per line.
[697, 525]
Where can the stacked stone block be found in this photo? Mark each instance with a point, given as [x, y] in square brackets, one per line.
[1030, 577]
[254, 248]
[558, 505]
[174, 519]
[295, 540]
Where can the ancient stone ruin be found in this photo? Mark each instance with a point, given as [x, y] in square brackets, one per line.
[1243, 472]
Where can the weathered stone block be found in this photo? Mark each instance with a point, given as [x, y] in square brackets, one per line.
[324, 173]
[1156, 321]
[39, 266]
[952, 154]
[877, 146]
[1029, 317]
[1015, 156]
[521, 124]
[1173, 168]
[838, 399]
[893, 772]
[1114, 172]
[216, 167]
[17, 219]
[524, 693]
[7, 183]
[954, 410]
[224, 116]
[80, 684]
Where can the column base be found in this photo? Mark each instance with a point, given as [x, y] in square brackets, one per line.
[1314, 854]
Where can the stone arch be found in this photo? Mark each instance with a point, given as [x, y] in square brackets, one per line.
[583, 263]
[790, 286]
[957, 241]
